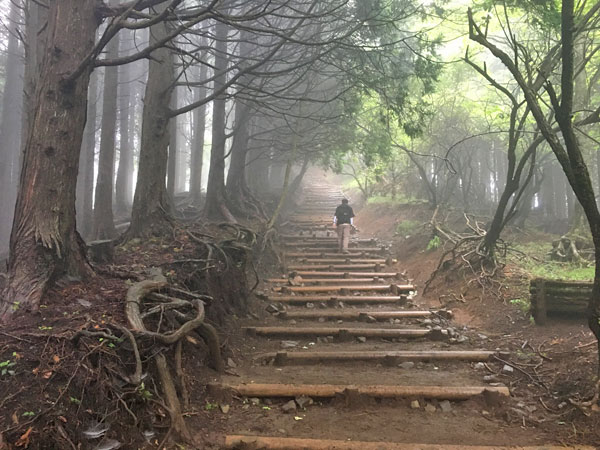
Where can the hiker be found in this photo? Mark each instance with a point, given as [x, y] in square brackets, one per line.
[344, 219]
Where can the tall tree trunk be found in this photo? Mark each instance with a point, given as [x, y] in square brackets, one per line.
[197, 147]
[44, 241]
[85, 178]
[239, 197]
[258, 166]
[10, 125]
[123, 182]
[173, 156]
[216, 205]
[104, 223]
[151, 202]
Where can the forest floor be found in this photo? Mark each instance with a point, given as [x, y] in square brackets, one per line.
[45, 391]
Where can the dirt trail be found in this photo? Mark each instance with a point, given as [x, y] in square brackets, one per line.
[348, 359]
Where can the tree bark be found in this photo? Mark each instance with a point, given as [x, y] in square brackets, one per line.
[173, 155]
[197, 150]
[44, 241]
[85, 178]
[10, 125]
[215, 206]
[151, 202]
[104, 223]
[124, 172]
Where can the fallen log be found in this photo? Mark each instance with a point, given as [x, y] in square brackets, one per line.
[559, 297]
[281, 443]
[375, 391]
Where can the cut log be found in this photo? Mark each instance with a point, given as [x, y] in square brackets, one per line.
[356, 314]
[375, 391]
[306, 273]
[350, 299]
[391, 357]
[280, 443]
[338, 332]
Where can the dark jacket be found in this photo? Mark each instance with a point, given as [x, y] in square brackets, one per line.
[343, 213]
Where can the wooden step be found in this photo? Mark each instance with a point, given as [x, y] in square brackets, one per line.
[327, 255]
[290, 443]
[308, 248]
[315, 273]
[344, 260]
[349, 299]
[391, 358]
[332, 267]
[352, 314]
[375, 391]
[327, 280]
[393, 288]
[341, 333]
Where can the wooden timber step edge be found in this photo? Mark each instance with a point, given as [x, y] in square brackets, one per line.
[359, 314]
[375, 391]
[347, 274]
[290, 443]
[393, 357]
[339, 298]
[343, 333]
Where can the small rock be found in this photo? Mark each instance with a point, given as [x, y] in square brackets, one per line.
[321, 319]
[272, 308]
[282, 431]
[330, 338]
[507, 370]
[310, 305]
[407, 365]
[293, 322]
[245, 406]
[415, 404]
[397, 321]
[289, 344]
[84, 303]
[254, 401]
[485, 413]
[231, 363]
[361, 339]
[289, 407]
[479, 366]
[430, 408]
[371, 319]
[446, 406]
[341, 304]
[562, 405]
[483, 337]
[491, 379]
[461, 339]
[340, 321]
[225, 408]
[451, 332]
[321, 340]
[304, 401]
[426, 322]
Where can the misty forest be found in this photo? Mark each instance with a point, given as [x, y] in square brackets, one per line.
[299, 224]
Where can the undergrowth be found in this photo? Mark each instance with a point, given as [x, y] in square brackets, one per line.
[536, 264]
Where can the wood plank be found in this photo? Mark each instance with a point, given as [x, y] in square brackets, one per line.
[338, 332]
[375, 391]
[392, 357]
[352, 314]
[290, 443]
[338, 274]
[327, 280]
[350, 299]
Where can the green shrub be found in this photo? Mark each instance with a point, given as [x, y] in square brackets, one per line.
[434, 243]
